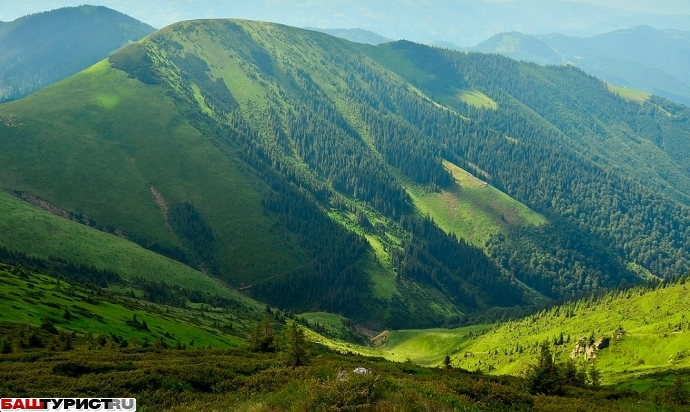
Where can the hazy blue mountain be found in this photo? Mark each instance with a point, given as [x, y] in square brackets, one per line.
[40, 49]
[521, 47]
[654, 61]
[355, 35]
[463, 22]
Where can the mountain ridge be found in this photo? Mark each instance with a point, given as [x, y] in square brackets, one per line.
[640, 58]
[283, 157]
[42, 48]
[355, 35]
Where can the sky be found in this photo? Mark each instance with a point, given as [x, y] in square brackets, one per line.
[463, 22]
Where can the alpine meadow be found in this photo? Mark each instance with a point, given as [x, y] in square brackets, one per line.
[232, 215]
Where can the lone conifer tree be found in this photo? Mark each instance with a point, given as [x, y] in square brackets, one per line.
[544, 378]
[261, 338]
[447, 362]
[594, 375]
[295, 345]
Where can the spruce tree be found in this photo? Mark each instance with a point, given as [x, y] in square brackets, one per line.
[447, 362]
[543, 377]
[594, 375]
[295, 349]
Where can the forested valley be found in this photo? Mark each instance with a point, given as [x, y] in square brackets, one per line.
[327, 145]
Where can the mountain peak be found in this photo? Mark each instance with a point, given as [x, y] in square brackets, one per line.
[400, 185]
[38, 49]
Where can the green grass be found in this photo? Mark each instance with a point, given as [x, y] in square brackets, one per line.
[425, 347]
[35, 232]
[629, 94]
[477, 99]
[324, 318]
[236, 380]
[471, 209]
[33, 298]
[383, 280]
[653, 341]
[97, 142]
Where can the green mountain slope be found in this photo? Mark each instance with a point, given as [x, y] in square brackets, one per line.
[38, 300]
[472, 209]
[174, 380]
[300, 168]
[34, 232]
[645, 331]
[148, 183]
[40, 49]
[116, 168]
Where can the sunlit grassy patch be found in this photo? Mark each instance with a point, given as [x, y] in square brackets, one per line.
[472, 208]
[629, 94]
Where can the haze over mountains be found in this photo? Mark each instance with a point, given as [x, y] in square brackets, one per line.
[643, 58]
[462, 22]
[355, 35]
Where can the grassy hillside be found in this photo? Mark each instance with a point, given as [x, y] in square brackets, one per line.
[121, 155]
[72, 340]
[36, 232]
[38, 300]
[309, 171]
[646, 330]
[225, 149]
[629, 94]
[476, 99]
[472, 209]
[179, 380]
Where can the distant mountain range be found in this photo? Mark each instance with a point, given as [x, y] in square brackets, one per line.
[40, 49]
[643, 58]
[218, 178]
[355, 35]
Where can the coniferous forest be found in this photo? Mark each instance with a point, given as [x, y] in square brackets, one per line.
[315, 151]
[230, 214]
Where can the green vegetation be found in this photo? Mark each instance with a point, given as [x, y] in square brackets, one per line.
[69, 331]
[143, 186]
[629, 94]
[327, 320]
[271, 176]
[35, 232]
[232, 380]
[367, 188]
[644, 329]
[38, 300]
[317, 174]
[476, 99]
[160, 355]
[472, 209]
